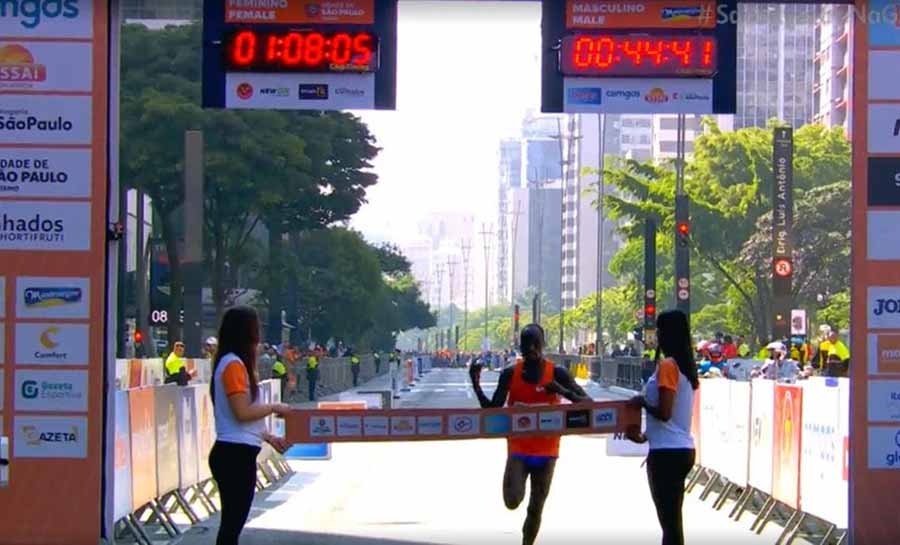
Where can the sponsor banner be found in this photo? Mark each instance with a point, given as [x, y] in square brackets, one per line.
[59, 173]
[122, 504]
[882, 23]
[884, 354]
[618, 445]
[605, 418]
[884, 128]
[52, 344]
[188, 459]
[45, 226]
[45, 66]
[786, 444]
[206, 429]
[2, 298]
[47, 19]
[884, 401]
[737, 425]
[883, 306]
[51, 297]
[884, 181]
[49, 437]
[300, 91]
[884, 448]
[823, 484]
[883, 69]
[762, 412]
[355, 12]
[166, 400]
[2, 385]
[882, 235]
[713, 434]
[311, 426]
[2, 353]
[48, 391]
[632, 14]
[141, 416]
[638, 95]
[30, 119]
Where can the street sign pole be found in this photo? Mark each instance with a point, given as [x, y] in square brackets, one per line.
[782, 227]
[682, 229]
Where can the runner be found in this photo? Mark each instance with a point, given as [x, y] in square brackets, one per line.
[532, 380]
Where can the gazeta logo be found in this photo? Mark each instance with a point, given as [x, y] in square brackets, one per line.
[31, 13]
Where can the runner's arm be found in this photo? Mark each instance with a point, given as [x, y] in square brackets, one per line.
[564, 384]
[499, 397]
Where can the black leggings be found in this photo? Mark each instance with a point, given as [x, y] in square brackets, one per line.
[666, 470]
[233, 467]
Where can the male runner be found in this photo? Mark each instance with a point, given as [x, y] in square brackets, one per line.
[532, 380]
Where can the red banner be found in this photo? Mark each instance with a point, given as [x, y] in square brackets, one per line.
[786, 444]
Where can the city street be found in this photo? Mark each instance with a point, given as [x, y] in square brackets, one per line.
[449, 493]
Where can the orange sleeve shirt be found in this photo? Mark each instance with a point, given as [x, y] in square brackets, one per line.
[668, 375]
[235, 379]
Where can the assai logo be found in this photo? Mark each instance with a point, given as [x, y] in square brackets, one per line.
[32, 13]
[313, 91]
[52, 297]
[244, 91]
[30, 389]
[586, 96]
[18, 67]
[656, 96]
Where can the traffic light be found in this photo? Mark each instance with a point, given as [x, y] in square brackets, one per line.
[650, 312]
[138, 343]
[684, 230]
[516, 318]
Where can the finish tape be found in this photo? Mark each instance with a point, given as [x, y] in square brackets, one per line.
[336, 426]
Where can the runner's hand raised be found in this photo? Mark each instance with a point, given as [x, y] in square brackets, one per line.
[475, 371]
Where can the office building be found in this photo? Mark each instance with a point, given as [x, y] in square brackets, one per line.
[834, 55]
[775, 68]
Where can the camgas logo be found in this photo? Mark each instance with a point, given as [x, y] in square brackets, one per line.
[625, 94]
[32, 13]
[18, 67]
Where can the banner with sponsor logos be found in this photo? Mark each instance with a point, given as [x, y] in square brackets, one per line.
[875, 290]
[638, 95]
[737, 461]
[142, 417]
[762, 414]
[823, 482]
[54, 185]
[713, 409]
[641, 14]
[305, 426]
[122, 503]
[206, 429]
[188, 458]
[166, 399]
[786, 444]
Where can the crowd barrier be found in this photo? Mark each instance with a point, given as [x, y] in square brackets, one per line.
[139, 373]
[163, 436]
[785, 445]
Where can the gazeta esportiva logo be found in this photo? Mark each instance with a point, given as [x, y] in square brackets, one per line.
[31, 13]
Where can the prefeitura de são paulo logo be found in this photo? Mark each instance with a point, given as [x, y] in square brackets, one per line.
[18, 67]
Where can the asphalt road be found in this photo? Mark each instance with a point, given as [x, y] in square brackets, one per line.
[449, 493]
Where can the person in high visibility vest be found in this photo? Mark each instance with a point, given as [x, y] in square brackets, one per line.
[175, 367]
[533, 380]
[743, 348]
[312, 374]
[279, 373]
[354, 367]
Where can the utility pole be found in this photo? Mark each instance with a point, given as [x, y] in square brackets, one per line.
[682, 229]
[451, 269]
[601, 216]
[486, 234]
[439, 272]
[516, 213]
[466, 247]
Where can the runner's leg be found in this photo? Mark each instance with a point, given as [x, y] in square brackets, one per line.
[541, 478]
[514, 482]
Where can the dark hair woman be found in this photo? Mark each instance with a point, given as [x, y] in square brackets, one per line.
[240, 420]
[532, 380]
[669, 401]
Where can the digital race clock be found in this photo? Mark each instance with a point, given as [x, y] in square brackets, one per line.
[296, 51]
[589, 55]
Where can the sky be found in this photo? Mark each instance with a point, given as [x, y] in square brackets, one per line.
[467, 74]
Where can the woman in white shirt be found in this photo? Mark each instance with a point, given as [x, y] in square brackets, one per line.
[240, 420]
[668, 399]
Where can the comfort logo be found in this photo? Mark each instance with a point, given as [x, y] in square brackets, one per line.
[47, 340]
[18, 66]
[244, 91]
[656, 96]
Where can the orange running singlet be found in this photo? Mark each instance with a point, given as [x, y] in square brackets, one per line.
[525, 393]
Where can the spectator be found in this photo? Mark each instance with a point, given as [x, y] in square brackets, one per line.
[210, 347]
[715, 362]
[729, 349]
[743, 349]
[778, 367]
[838, 348]
[175, 367]
[821, 358]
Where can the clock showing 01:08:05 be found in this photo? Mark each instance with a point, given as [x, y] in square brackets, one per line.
[295, 51]
[588, 55]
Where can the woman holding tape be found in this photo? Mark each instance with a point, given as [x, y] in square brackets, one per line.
[668, 399]
[240, 420]
[532, 380]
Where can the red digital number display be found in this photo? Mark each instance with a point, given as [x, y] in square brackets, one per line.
[638, 55]
[277, 51]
